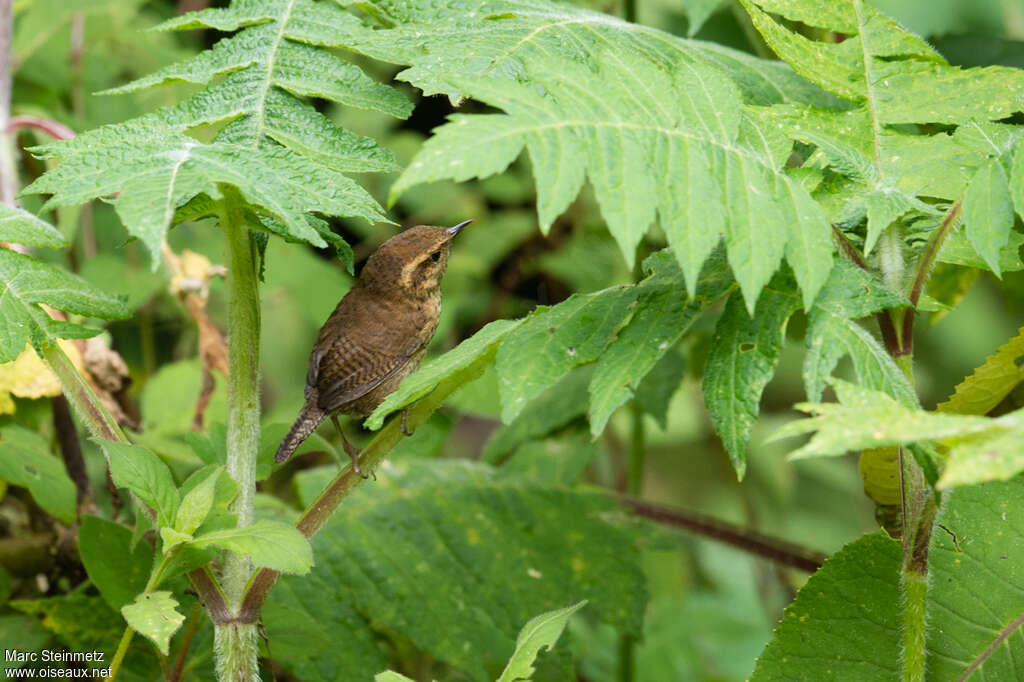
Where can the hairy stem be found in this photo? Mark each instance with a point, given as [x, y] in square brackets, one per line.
[235, 644]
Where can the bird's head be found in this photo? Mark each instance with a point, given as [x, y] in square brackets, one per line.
[412, 262]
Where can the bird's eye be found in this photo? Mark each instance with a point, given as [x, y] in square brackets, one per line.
[436, 256]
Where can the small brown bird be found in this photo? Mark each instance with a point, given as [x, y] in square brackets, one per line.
[377, 334]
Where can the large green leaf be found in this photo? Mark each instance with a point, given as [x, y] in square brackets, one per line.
[26, 461]
[118, 570]
[988, 212]
[138, 469]
[742, 359]
[285, 157]
[662, 315]
[26, 284]
[269, 543]
[656, 123]
[477, 554]
[844, 623]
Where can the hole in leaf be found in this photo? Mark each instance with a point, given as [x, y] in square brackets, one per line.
[1019, 361]
[31, 471]
[746, 347]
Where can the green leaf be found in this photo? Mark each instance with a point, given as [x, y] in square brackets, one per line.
[22, 633]
[138, 469]
[988, 212]
[553, 340]
[742, 360]
[478, 553]
[991, 382]
[482, 344]
[559, 459]
[26, 461]
[26, 284]
[117, 570]
[662, 315]
[391, 676]
[845, 621]
[975, 602]
[196, 504]
[554, 408]
[655, 392]
[21, 227]
[270, 544]
[156, 616]
[833, 332]
[956, 249]
[542, 631]
[654, 122]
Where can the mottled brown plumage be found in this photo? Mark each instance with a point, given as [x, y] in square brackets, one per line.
[377, 334]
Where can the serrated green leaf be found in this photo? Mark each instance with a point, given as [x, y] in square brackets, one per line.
[670, 141]
[981, 449]
[742, 360]
[138, 469]
[542, 631]
[554, 340]
[845, 622]
[479, 554]
[422, 382]
[833, 332]
[662, 315]
[26, 461]
[25, 284]
[21, 227]
[270, 544]
[655, 392]
[991, 382]
[956, 249]
[117, 570]
[157, 170]
[156, 616]
[988, 212]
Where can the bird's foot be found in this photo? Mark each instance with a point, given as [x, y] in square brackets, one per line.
[405, 423]
[352, 451]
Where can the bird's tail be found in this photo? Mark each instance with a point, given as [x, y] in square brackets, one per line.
[305, 424]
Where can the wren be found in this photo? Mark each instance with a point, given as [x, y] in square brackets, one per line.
[376, 335]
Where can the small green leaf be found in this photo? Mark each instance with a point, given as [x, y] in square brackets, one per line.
[270, 544]
[196, 504]
[988, 212]
[21, 227]
[172, 538]
[26, 284]
[26, 461]
[832, 332]
[845, 622]
[542, 631]
[156, 616]
[117, 570]
[138, 469]
[422, 382]
[391, 676]
[742, 360]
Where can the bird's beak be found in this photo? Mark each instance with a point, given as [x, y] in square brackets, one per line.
[452, 231]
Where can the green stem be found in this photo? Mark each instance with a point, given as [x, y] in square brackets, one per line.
[8, 184]
[235, 644]
[79, 393]
[122, 649]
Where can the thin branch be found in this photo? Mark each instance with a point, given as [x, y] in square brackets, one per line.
[778, 550]
[931, 253]
[70, 448]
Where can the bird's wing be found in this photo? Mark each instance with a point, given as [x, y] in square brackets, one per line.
[354, 370]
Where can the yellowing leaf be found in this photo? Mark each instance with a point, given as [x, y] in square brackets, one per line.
[29, 377]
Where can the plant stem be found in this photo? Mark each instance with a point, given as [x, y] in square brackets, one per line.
[98, 420]
[122, 649]
[8, 185]
[235, 644]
